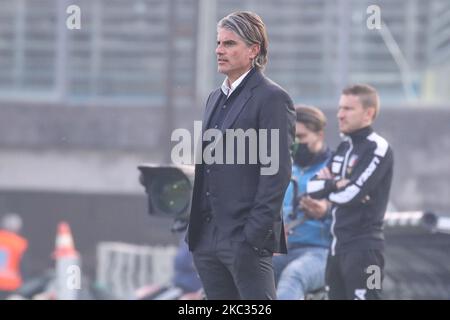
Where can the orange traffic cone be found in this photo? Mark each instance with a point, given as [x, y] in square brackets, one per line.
[64, 247]
[68, 264]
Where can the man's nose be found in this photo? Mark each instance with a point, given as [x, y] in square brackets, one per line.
[219, 50]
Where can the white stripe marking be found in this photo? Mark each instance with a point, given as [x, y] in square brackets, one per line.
[382, 144]
[314, 186]
[346, 195]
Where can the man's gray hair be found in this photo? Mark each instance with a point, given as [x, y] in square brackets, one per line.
[251, 29]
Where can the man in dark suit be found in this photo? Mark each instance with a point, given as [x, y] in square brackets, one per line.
[235, 221]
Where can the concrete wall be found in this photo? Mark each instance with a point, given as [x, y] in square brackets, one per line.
[71, 127]
[117, 139]
[79, 164]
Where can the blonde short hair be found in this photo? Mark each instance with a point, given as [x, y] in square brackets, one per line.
[368, 96]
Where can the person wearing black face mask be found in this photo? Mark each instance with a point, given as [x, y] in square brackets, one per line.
[308, 224]
[303, 156]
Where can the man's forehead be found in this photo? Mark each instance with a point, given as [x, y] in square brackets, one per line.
[226, 34]
[349, 100]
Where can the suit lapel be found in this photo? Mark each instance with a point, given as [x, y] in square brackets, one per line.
[238, 105]
[210, 108]
[241, 100]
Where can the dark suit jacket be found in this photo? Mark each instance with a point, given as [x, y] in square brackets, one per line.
[247, 205]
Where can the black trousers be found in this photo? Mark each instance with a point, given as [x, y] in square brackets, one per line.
[355, 275]
[232, 270]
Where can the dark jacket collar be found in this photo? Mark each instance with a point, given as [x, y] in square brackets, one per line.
[246, 79]
[252, 80]
[360, 134]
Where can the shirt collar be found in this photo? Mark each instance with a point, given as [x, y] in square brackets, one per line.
[227, 90]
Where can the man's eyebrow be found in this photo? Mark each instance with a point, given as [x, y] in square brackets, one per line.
[227, 42]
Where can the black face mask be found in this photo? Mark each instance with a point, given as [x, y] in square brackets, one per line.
[303, 156]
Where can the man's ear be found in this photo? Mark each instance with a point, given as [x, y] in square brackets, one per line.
[321, 134]
[254, 50]
[370, 112]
